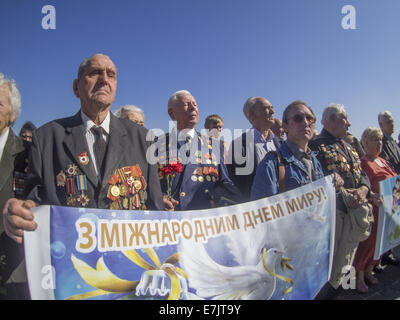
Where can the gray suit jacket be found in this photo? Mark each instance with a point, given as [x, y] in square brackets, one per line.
[58, 144]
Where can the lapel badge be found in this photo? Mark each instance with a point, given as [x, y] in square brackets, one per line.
[83, 158]
[71, 170]
[61, 178]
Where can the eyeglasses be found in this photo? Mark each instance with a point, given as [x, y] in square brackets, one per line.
[300, 118]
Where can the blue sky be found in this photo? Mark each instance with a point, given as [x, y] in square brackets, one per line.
[223, 51]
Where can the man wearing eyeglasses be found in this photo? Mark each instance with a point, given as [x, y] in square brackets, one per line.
[293, 164]
[341, 159]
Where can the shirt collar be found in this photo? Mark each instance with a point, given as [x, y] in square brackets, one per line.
[184, 133]
[3, 139]
[258, 137]
[88, 123]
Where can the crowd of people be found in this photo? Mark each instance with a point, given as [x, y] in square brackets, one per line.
[109, 150]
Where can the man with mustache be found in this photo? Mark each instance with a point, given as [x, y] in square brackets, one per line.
[247, 151]
[203, 181]
[81, 161]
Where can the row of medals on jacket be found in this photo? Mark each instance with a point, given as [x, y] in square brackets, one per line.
[127, 188]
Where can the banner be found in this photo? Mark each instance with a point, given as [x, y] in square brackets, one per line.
[388, 234]
[278, 247]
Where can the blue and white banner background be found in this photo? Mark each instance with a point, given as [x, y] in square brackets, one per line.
[388, 234]
[274, 248]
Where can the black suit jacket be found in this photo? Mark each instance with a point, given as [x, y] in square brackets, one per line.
[12, 173]
[59, 145]
[391, 153]
[244, 181]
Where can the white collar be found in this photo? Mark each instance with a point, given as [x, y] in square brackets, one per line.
[185, 132]
[88, 123]
[3, 140]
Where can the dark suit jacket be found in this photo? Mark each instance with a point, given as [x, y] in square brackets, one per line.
[200, 181]
[59, 144]
[244, 181]
[12, 170]
[391, 153]
[334, 158]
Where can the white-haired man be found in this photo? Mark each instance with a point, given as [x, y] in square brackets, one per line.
[390, 149]
[13, 155]
[203, 181]
[94, 145]
[247, 151]
[339, 158]
[391, 153]
[132, 113]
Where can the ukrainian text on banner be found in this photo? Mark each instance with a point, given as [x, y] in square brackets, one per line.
[274, 248]
[388, 234]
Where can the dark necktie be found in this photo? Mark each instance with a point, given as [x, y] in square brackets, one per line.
[99, 148]
[186, 142]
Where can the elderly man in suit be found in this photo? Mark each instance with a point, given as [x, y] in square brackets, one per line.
[92, 159]
[13, 156]
[247, 151]
[203, 181]
[339, 158]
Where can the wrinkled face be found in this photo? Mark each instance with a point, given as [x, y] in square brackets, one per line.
[339, 124]
[262, 114]
[300, 125]
[373, 146]
[387, 126]
[97, 86]
[185, 112]
[135, 117]
[5, 108]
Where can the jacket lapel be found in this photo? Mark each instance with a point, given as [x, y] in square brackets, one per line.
[116, 146]
[10, 150]
[75, 142]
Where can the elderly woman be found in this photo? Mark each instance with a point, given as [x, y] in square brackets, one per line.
[377, 169]
[294, 164]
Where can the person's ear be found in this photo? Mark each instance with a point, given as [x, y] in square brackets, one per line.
[75, 88]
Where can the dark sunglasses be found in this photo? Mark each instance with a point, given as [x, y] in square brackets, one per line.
[300, 118]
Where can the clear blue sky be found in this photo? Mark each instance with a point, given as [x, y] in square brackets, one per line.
[223, 51]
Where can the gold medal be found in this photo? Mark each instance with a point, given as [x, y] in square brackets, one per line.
[71, 201]
[208, 178]
[194, 178]
[115, 191]
[83, 158]
[125, 203]
[137, 184]
[200, 179]
[123, 190]
[114, 206]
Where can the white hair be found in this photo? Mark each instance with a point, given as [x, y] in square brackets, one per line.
[175, 97]
[14, 97]
[384, 115]
[249, 104]
[121, 112]
[332, 109]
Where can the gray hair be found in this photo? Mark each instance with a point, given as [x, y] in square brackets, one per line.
[384, 115]
[85, 62]
[332, 109]
[14, 97]
[249, 104]
[175, 97]
[370, 133]
[122, 111]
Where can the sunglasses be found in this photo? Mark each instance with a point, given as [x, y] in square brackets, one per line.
[300, 118]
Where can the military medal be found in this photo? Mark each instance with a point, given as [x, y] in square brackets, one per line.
[71, 170]
[194, 178]
[61, 178]
[83, 158]
[200, 178]
[82, 187]
[115, 191]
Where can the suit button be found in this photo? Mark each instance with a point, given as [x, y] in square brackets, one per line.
[183, 194]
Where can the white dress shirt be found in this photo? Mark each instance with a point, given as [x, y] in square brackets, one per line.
[3, 140]
[91, 137]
